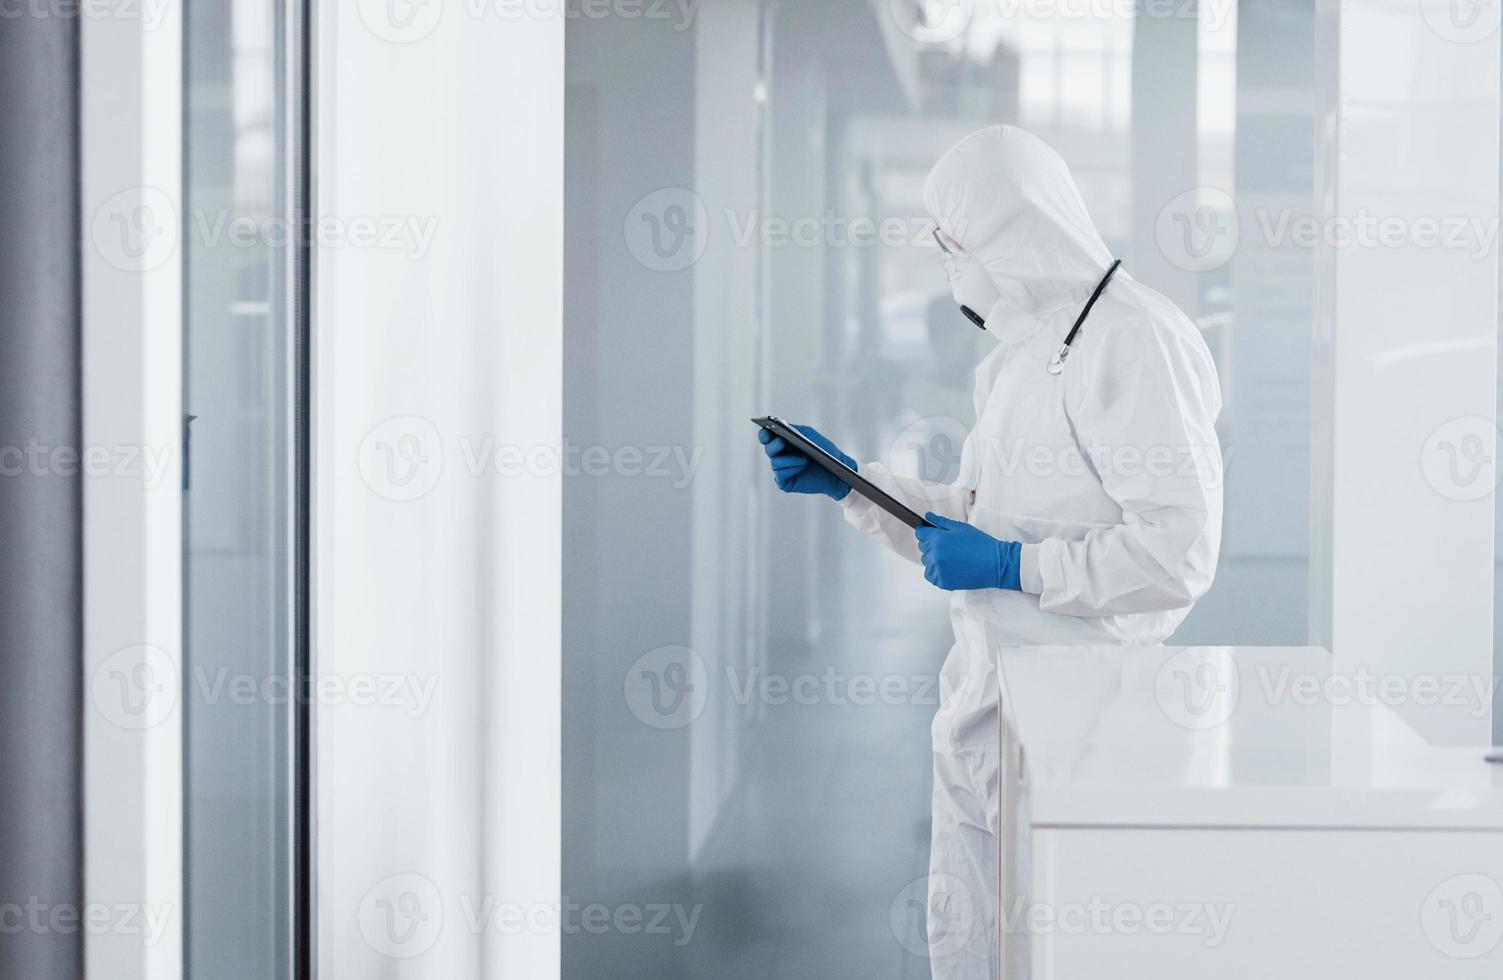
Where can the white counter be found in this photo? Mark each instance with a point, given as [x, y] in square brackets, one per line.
[1272, 792]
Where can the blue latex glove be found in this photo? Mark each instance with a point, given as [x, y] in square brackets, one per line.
[958, 556]
[794, 472]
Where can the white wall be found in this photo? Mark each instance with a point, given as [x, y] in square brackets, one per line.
[1406, 347]
[428, 565]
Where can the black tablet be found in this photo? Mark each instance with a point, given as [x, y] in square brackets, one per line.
[841, 472]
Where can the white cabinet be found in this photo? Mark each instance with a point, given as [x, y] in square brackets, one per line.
[1240, 813]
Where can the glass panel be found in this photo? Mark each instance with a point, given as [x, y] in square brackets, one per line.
[1255, 305]
[237, 563]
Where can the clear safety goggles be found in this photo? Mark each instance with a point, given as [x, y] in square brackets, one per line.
[950, 252]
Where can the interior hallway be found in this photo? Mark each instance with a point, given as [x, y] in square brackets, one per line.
[830, 822]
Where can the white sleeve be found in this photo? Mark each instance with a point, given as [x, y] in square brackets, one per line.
[1146, 420]
[946, 500]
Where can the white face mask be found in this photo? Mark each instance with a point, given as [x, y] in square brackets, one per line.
[969, 283]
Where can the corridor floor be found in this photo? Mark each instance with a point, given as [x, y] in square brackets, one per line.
[811, 870]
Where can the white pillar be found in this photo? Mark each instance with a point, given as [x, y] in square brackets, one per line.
[436, 553]
[132, 266]
[1406, 348]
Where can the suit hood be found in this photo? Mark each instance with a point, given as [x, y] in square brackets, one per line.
[1009, 200]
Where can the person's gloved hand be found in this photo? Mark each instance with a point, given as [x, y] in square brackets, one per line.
[958, 556]
[793, 470]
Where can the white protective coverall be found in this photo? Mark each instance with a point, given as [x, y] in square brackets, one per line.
[1108, 474]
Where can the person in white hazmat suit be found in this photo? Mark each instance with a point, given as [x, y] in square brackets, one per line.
[1088, 505]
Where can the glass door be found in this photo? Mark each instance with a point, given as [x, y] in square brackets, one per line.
[244, 491]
